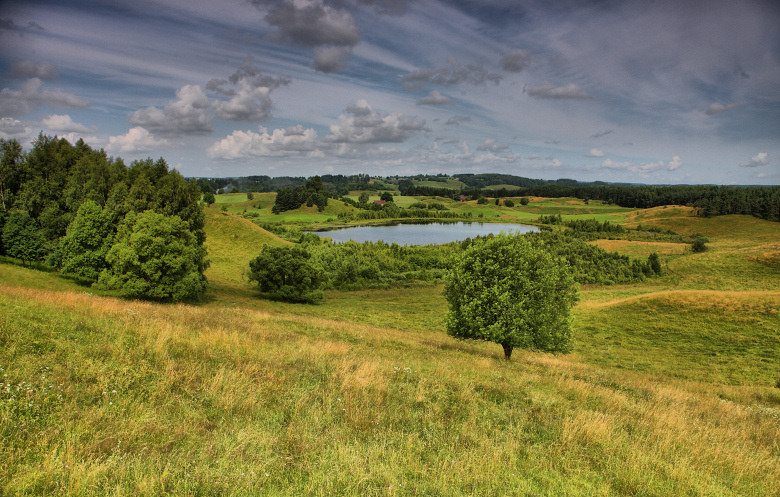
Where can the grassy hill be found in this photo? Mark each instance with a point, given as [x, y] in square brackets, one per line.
[671, 390]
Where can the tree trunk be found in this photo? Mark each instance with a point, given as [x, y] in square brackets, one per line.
[507, 351]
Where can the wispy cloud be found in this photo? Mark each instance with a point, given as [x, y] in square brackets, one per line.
[453, 73]
[717, 108]
[547, 90]
[435, 98]
[31, 95]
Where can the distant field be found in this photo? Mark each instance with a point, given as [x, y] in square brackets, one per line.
[672, 388]
[452, 184]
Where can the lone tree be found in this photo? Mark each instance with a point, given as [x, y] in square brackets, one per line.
[287, 273]
[511, 291]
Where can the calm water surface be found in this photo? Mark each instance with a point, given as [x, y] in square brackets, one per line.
[423, 234]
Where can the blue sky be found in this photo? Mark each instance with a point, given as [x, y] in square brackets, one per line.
[640, 91]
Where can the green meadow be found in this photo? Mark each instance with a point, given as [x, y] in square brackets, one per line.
[673, 387]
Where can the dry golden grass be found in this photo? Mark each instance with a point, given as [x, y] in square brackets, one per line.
[210, 400]
[642, 249]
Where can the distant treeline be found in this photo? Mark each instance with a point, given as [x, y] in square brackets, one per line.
[759, 201]
[334, 184]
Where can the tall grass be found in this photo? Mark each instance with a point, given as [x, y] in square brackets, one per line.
[130, 398]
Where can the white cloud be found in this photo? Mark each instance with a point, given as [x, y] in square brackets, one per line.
[248, 104]
[717, 108]
[63, 123]
[189, 113]
[31, 96]
[547, 90]
[360, 124]
[761, 159]
[249, 91]
[136, 139]
[293, 141]
[594, 152]
[11, 128]
[435, 98]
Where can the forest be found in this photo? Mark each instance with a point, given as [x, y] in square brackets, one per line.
[137, 230]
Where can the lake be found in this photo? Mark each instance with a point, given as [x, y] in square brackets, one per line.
[423, 234]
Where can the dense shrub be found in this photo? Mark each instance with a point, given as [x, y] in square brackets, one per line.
[287, 273]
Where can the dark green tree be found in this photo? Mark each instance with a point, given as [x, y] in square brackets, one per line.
[209, 198]
[509, 202]
[287, 273]
[510, 291]
[89, 236]
[155, 257]
[23, 238]
[363, 198]
[386, 196]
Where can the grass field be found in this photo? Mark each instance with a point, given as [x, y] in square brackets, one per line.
[672, 389]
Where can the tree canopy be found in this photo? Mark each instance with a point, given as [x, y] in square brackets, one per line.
[155, 257]
[510, 290]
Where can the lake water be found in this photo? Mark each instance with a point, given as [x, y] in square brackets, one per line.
[423, 234]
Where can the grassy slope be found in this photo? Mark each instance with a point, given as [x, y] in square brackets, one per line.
[670, 390]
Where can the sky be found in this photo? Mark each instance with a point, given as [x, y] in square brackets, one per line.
[640, 91]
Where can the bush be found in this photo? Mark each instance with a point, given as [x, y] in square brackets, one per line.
[287, 273]
[508, 202]
[699, 246]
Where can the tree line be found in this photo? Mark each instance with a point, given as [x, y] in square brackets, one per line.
[708, 200]
[136, 230]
